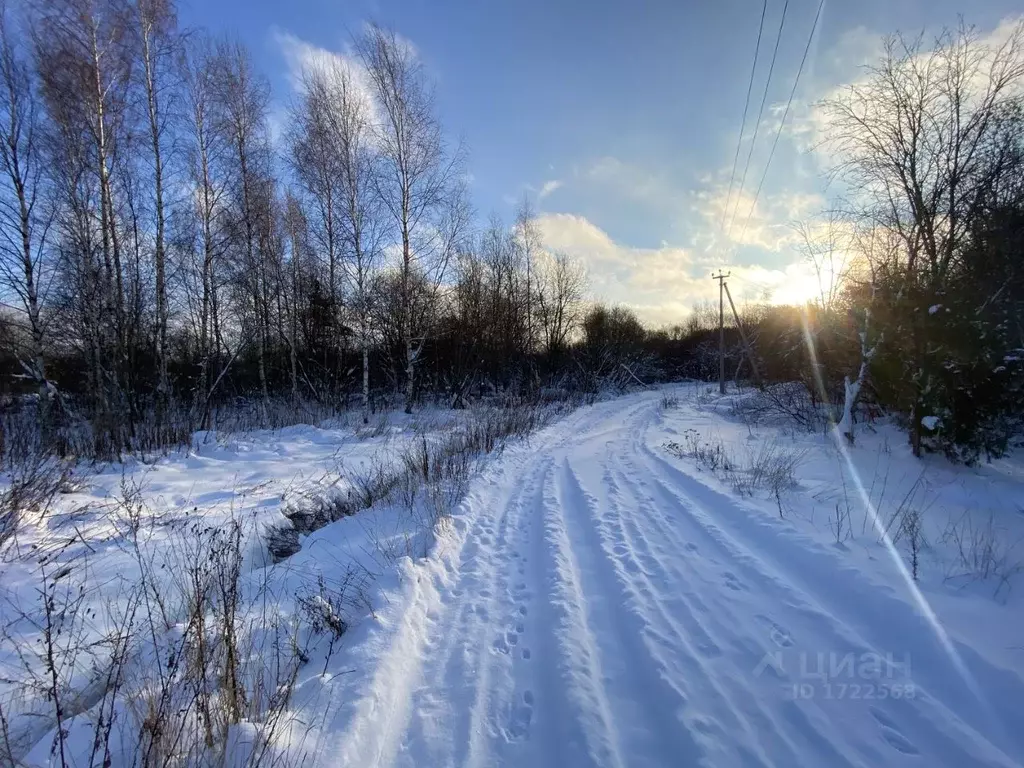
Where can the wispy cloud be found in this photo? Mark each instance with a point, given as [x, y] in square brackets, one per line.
[301, 56]
[548, 187]
[635, 182]
[663, 284]
[727, 223]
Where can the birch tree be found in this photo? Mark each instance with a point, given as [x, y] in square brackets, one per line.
[418, 185]
[349, 118]
[528, 239]
[24, 220]
[243, 100]
[85, 57]
[158, 47]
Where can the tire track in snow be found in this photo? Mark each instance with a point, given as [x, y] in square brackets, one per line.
[770, 721]
[431, 670]
[825, 614]
[581, 654]
[692, 637]
[636, 687]
[608, 609]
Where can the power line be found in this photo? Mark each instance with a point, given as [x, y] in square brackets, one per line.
[753, 283]
[760, 288]
[760, 112]
[785, 114]
[746, 106]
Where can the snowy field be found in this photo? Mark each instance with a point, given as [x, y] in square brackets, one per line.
[665, 578]
[118, 526]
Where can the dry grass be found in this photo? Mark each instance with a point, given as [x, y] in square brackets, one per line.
[771, 468]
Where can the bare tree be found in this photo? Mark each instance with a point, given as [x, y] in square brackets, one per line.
[418, 173]
[295, 221]
[315, 156]
[335, 159]
[24, 222]
[243, 100]
[528, 238]
[911, 141]
[158, 46]
[824, 244]
[351, 127]
[85, 58]
[559, 296]
[205, 215]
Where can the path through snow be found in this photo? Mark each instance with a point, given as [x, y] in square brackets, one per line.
[601, 604]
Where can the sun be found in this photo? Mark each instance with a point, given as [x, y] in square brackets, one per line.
[797, 290]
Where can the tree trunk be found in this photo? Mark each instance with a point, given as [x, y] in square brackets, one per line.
[365, 343]
[152, 104]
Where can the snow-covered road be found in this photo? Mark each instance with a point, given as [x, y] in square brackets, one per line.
[600, 603]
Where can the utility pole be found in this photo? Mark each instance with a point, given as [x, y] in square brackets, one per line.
[720, 277]
[743, 335]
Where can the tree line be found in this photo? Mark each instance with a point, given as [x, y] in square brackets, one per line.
[163, 251]
[919, 260]
[168, 252]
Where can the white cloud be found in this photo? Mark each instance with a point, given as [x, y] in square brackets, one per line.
[794, 189]
[548, 187]
[858, 49]
[662, 284]
[302, 57]
[731, 222]
[634, 182]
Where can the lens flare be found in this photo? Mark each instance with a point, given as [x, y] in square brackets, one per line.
[920, 600]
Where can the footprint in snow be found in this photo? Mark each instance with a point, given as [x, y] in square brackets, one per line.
[778, 634]
[520, 719]
[892, 734]
[899, 742]
[691, 547]
[526, 654]
[733, 583]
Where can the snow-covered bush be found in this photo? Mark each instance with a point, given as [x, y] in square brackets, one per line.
[771, 467]
[179, 657]
[983, 550]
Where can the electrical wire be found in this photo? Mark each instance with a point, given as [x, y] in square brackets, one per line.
[760, 112]
[746, 107]
[785, 114]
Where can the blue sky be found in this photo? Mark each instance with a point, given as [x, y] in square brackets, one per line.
[620, 118]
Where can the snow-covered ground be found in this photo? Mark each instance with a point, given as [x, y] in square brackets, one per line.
[603, 595]
[599, 601]
[89, 549]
